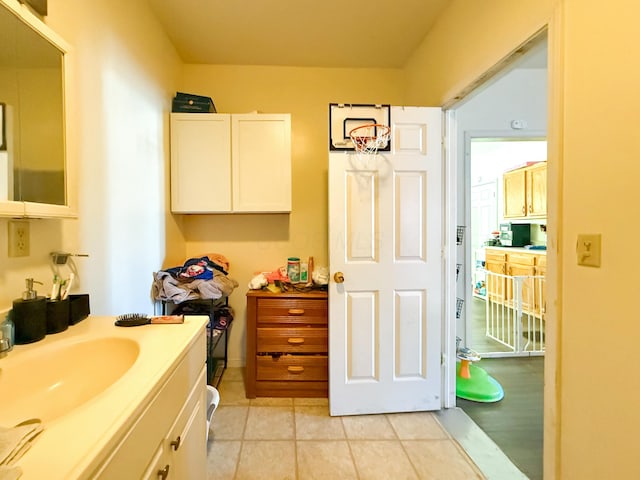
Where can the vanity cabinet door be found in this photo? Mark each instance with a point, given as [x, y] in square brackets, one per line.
[187, 438]
[158, 466]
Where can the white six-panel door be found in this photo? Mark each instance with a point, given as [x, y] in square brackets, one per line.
[386, 233]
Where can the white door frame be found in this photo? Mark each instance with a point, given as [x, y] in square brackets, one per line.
[450, 202]
[554, 29]
[466, 169]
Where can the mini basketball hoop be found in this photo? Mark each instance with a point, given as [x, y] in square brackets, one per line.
[369, 138]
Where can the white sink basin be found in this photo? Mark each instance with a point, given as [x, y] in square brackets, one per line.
[50, 382]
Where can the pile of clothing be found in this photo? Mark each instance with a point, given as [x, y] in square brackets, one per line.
[204, 277]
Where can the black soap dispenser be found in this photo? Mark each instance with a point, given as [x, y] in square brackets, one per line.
[30, 315]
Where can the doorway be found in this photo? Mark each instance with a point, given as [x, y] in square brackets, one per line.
[509, 111]
[489, 157]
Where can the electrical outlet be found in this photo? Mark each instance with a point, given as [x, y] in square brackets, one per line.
[18, 238]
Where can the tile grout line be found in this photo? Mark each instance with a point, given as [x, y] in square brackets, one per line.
[295, 439]
[244, 429]
[348, 440]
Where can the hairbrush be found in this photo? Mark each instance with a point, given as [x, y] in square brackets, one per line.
[137, 319]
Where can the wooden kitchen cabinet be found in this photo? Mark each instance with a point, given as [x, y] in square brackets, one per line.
[287, 344]
[521, 265]
[541, 299]
[513, 264]
[230, 163]
[525, 192]
[495, 262]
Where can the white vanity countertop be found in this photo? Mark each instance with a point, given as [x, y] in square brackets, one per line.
[73, 445]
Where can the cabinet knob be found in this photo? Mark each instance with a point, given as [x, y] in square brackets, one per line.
[296, 311]
[175, 444]
[295, 369]
[164, 473]
[530, 208]
[524, 209]
[295, 341]
[338, 277]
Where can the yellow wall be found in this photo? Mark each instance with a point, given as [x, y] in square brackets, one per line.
[254, 243]
[600, 169]
[469, 39]
[124, 72]
[592, 180]
[593, 167]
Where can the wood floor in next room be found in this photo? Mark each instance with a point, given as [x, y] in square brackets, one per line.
[515, 423]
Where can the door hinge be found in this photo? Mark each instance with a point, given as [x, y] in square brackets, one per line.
[443, 358]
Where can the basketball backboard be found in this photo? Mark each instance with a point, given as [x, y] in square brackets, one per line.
[344, 117]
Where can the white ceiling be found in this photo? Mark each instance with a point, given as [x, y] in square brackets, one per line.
[325, 33]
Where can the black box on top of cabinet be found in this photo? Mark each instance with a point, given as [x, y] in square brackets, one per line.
[189, 103]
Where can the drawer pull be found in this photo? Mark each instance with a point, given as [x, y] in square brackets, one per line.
[296, 311]
[295, 341]
[295, 369]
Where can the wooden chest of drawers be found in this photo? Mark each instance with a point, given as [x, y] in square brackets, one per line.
[287, 344]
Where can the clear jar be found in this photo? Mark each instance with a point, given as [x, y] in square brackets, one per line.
[6, 336]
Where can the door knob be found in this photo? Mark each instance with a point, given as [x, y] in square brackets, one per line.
[338, 277]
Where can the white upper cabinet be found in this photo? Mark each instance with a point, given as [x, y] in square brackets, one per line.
[261, 162]
[200, 163]
[230, 163]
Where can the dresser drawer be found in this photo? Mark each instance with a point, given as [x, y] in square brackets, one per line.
[292, 368]
[292, 340]
[304, 311]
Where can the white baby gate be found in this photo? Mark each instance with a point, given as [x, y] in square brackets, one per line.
[515, 312]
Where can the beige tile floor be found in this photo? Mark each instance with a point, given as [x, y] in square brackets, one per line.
[296, 439]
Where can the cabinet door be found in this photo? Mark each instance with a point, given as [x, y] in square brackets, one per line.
[540, 298]
[537, 190]
[187, 439]
[261, 151]
[495, 262]
[200, 163]
[526, 293]
[514, 194]
[158, 467]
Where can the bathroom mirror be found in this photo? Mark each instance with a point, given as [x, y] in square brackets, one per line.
[33, 165]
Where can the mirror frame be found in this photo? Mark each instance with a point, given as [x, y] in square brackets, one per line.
[12, 208]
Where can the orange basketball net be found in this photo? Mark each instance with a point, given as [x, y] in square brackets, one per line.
[369, 138]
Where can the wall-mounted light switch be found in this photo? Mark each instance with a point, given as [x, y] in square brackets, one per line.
[588, 249]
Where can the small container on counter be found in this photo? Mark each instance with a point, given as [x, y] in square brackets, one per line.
[7, 338]
[29, 315]
[293, 269]
[57, 315]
